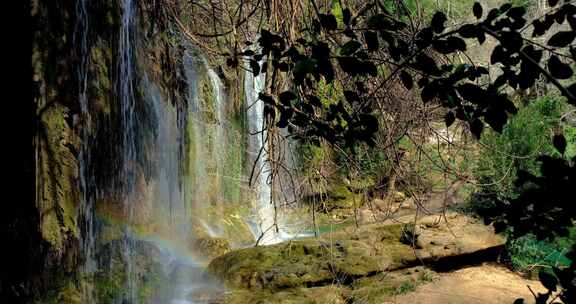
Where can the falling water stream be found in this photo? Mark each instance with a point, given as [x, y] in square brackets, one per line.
[86, 211]
[172, 163]
[128, 150]
[269, 229]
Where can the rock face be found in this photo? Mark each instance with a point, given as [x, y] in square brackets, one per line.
[345, 257]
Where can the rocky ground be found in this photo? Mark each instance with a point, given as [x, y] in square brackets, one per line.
[484, 284]
[441, 259]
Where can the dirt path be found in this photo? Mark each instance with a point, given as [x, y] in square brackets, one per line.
[486, 284]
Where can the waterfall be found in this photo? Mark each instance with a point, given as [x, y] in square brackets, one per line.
[219, 144]
[126, 82]
[171, 207]
[207, 139]
[126, 99]
[169, 160]
[85, 215]
[267, 230]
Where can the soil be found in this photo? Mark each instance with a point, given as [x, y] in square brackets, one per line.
[484, 284]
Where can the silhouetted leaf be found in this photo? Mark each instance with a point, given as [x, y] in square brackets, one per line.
[552, 3]
[468, 31]
[562, 39]
[476, 127]
[351, 96]
[320, 50]
[255, 67]
[266, 98]
[371, 39]
[516, 12]
[302, 68]
[325, 68]
[505, 7]
[346, 16]
[350, 47]
[328, 21]
[429, 92]
[472, 93]
[511, 40]
[438, 21]
[378, 22]
[406, 79]
[496, 118]
[477, 9]
[427, 65]
[548, 280]
[559, 69]
[449, 118]
[450, 45]
[572, 90]
[559, 143]
[315, 101]
[286, 98]
[498, 55]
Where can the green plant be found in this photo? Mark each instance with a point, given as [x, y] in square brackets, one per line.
[527, 254]
[524, 138]
[405, 287]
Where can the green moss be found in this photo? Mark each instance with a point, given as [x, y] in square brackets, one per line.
[58, 171]
[382, 287]
[311, 261]
[317, 295]
[101, 87]
[211, 247]
[234, 159]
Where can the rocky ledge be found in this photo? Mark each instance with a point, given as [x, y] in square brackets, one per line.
[343, 263]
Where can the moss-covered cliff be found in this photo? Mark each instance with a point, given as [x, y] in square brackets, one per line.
[79, 152]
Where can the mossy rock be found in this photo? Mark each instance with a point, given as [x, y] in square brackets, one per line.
[58, 169]
[332, 294]
[210, 247]
[348, 255]
[381, 287]
[297, 263]
[378, 288]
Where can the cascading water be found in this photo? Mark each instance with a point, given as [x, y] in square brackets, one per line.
[219, 143]
[170, 161]
[268, 232]
[126, 83]
[169, 196]
[85, 215]
[207, 137]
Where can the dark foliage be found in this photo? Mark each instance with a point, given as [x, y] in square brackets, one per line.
[326, 53]
[314, 57]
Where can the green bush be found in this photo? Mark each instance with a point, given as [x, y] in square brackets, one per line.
[527, 254]
[526, 136]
